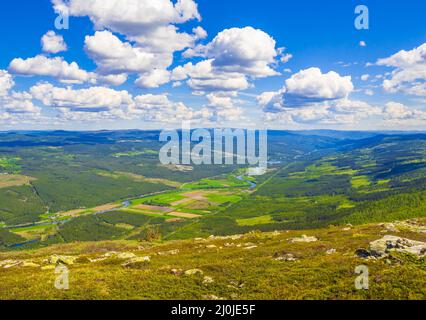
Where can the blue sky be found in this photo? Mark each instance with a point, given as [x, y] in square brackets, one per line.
[155, 63]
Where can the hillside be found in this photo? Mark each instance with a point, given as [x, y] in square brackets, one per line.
[315, 264]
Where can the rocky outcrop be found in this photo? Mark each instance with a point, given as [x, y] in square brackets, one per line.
[282, 256]
[330, 251]
[383, 247]
[193, 272]
[56, 259]
[136, 262]
[304, 238]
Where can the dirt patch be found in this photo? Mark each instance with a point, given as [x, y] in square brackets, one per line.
[196, 195]
[153, 208]
[179, 202]
[139, 178]
[106, 207]
[184, 215]
[174, 220]
[198, 205]
[72, 213]
[180, 168]
[14, 180]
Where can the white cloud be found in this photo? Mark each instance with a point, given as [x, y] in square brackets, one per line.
[409, 74]
[311, 85]
[313, 97]
[112, 79]
[114, 56]
[233, 59]
[203, 77]
[200, 33]
[159, 108]
[244, 50]
[52, 67]
[19, 103]
[362, 44]
[93, 99]
[148, 26]
[221, 108]
[286, 57]
[272, 102]
[6, 82]
[365, 77]
[53, 43]
[153, 79]
[131, 17]
[369, 92]
[11, 102]
[398, 111]
[338, 112]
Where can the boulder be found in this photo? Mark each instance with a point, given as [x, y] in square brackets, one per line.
[282, 256]
[382, 247]
[49, 267]
[331, 251]
[208, 280]
[137, 261]
[30, 264]
[304, 238]
[176, 272]
[169, 253]
[126, 255]
[56, 259]
[193, 272]
[7, 264]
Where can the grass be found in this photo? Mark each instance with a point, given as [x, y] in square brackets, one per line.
[238, 273]
[10, 164]
[255, 221]
[139, 178]
[14, 180]
[360, 182]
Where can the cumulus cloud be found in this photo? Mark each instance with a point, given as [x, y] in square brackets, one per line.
[409, 74]
[52, 67]
[19, 103]
[398, 111]
[153, 79]
[11, 102]
[6, 82]
[243, 50]
[222, 108]
[311, 85]
[102, 103]
[53, 43]
[114, 56]
[311, 96]
[233, 59]
[93, 99]
[338, 112]
[204, 77]
[131, 17]
[159, 108]
[273, 101]
[148, 26]
[365, 77]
